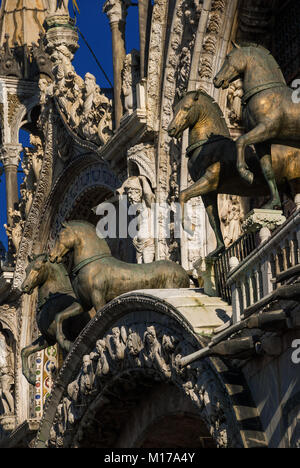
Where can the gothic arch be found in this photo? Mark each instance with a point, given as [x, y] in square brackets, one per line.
[134, 344]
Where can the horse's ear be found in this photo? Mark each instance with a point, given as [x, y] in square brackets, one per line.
[235, 45]
[197, 94]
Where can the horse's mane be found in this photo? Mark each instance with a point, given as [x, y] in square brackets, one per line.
[76, 222]
[254, 45]
[213, 102]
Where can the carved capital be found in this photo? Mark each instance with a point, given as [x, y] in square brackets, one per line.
[10, 154]
[259, 218]
[116, 10]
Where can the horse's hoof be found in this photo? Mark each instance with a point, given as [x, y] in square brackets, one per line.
[273, 205]
[216, 253]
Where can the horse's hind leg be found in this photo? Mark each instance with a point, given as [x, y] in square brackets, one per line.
[38, 345]
[211, 205]
[261, 133]
[72, 311]
[264, 153]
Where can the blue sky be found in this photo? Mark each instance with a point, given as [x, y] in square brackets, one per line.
[95, 27]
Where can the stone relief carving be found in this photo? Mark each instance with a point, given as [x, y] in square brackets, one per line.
[86, 111]
[15, 231]
[215, 21]
[232, 216]
[141, 196]
[234, 103]
[130, 78]
[31, 164]
[7, 405]
[146, 348]
[176, 81]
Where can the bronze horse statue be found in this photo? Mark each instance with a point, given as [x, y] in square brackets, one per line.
[270, 116]
[60, 317]
[98, 277]
[212, 161]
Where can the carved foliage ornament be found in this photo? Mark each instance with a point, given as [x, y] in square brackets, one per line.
[86, 112]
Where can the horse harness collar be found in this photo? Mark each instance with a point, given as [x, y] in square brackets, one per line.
[87, 261]
[258, 89]
[190, 149]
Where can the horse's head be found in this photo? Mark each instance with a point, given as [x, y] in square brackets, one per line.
[186, 114]
[36, 273]
[64, 244]
[233, 67]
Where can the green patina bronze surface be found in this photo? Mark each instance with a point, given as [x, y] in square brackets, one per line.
[270, 115]
[99, 277]
[213, 165]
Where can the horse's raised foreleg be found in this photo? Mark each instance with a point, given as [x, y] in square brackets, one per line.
[72, 311]
[208, 183]
[211, 205]
[38, 345]
[259, 134]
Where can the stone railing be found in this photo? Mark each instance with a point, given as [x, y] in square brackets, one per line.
[253, 279]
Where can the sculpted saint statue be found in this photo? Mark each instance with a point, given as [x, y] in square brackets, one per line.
[139, 193]
[58, 6]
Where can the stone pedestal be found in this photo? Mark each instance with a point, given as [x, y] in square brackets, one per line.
[264, 221]
[61, 30]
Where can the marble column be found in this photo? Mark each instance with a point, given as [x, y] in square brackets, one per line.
[144, 9]
[10, 158]
[116, 11]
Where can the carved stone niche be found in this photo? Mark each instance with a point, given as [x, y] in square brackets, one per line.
[141, 161]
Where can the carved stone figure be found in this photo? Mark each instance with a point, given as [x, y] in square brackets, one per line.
[139, 193]
[232, 217]
[130, 78]
[58, 7]
[270, 115]
[6, 379]
[85, 110]
[15, 231]
[234, 103]
[31, 164]
[213, 156]
[98, 277]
